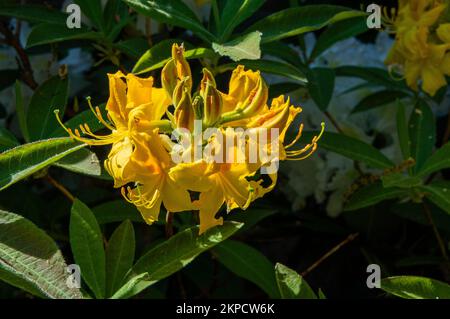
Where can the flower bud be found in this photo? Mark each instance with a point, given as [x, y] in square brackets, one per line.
[179, 91]
[212, 104]
[182, 67]
[184, 112]
[169, 78]
[207, 77]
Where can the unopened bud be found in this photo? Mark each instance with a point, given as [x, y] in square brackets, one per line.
[169, 78]
[184, 112]
[182, 67]
[212, 105]
[208, 77]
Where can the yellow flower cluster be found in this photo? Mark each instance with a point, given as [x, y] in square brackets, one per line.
[142, 118]
[422, 43]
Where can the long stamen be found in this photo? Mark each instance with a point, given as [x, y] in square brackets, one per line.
[311, 147]
[98, 114]
[297, 137]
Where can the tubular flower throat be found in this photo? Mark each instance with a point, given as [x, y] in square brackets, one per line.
[144, 147]
[422, 43]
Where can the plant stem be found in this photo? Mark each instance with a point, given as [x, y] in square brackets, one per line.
[350, 238]
[25, 66]
[333, 121]
[60, 187]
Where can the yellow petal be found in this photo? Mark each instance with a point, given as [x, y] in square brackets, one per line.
[209, 204]
[139, 90]
[150, 214]
[433, 79]
[443, 32]
[116, 105]
[412, 73]
[175, 197]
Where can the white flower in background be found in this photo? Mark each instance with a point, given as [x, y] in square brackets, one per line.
[330, 175]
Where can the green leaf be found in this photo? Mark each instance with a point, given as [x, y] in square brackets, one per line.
[414, 287]
[49, 96]
[402, 130]
[20, 111]
[251, 216]
[282, 88]
[291, 285]
[27, 159]
[31, 260]
[321, 86]
[160, 54]
[172, 255]
[86, 241]
[134, 47]
[352, 148]
[371, 195]
[33, 13]
[378, 99]
[85, 117]
[295, 21]
[337, 32]
[119, 256]
[400, 180]
[82, 161]
[438, 161]
[439, 194]
[422, 131]
[116, 211]
[273, 67]
[46, 33]
[247, 262]
[236, 12]
[244, 47]
[7, 139]
[284, 52]
[172, 12]
[373, 75]
[93, 10]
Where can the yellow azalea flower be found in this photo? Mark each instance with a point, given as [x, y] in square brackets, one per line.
[145, 162]
[150, 166]
[422, 53]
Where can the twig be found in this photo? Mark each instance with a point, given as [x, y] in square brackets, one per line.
[445, 266]
[25, 65]
[350, 238]
[333, 121]
[60, 187]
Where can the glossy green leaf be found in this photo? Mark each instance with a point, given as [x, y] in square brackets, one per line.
[172, 255]
[285, 52]
[268, 66]
[247, 262]
[134, 47]
[402, 130]
[251, 216]
[439, 194]
[236, 12]
[34, 13]
[372, 75]
[50, 96]
[321, 86]
[116, 211]
[339, 31]
[244, 47]
[7, 139]
[378, 99]
[438, 161]
[294, 21]
[352, 148]
[46, 33]
[27, 159]
[82, 161]
[119, 256]
[172, 12]
[31, 260]
[422, 131]
[291, 285]
[371, 195]
[86, 241]
[414, 287]
[21, 112]
[93, 10]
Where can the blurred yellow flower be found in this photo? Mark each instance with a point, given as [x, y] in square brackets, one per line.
[421, 46]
